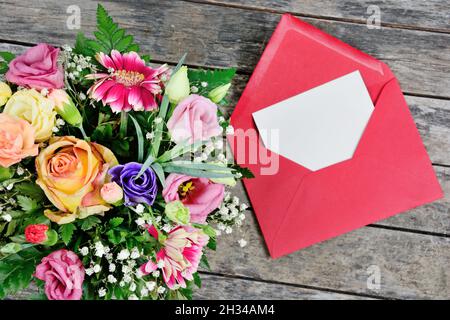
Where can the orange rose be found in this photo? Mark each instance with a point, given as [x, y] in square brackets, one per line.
[71, 172]
[16, 140]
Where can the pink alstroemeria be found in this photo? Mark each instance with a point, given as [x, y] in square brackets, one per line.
[180, 255]
[130, 84]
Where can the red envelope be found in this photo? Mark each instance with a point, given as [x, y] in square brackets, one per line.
[390, 171]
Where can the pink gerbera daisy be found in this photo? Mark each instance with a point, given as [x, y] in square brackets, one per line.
[180, 256]
[130, 84]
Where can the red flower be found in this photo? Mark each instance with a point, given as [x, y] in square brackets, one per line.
[36, 233]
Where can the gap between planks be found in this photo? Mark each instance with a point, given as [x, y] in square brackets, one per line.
[318, 17]
[237, 277]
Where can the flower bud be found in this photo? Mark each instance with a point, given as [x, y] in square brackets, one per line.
[217, 94]
[227, 181]
[178, 87]
[5, 93]
[36, 233]
[65, 107]
[112, 193]
[177, 212]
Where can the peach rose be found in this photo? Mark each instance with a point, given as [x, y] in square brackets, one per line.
[71, 172]
[16, 140]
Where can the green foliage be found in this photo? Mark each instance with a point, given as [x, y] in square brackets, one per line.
[27, 204]
[5, 59]
[197, 280]
[16, 270]
[214, 78]
[204, 263]
[140, 139]
[66, 232]
[30, 189]
[108, 37]
[82, 47]
[246, 173]
[115, 222]
[89, 222]
[5, 174]
[193, 169]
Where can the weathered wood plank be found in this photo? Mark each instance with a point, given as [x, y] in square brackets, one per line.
[429, 15]
[412, 266]
[227, 288]
[223, 288]
[221, 36]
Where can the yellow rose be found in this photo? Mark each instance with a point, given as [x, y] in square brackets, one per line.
[71, 172]
[31, 106]
[5, 93]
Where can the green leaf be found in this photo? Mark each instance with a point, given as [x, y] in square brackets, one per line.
[10, 248]
[115, 222]
[5, 174]
[212, 244]
[159, 173]
[11, 228]
[140, 139]
[246, 173]
[30, 189]
[16, 270]
[108, 36]
[159, 127]
[180, 149]
[204, 263]
[66, 231]
[7, 56]
[197, 280]
[195, 172]
[121, 147]
[199, 166]
[214, 78]
[89, 222]
[82, 47]
[27, 204]
[3, 69]
[179, 64]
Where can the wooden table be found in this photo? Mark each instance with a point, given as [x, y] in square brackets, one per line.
[411, 250]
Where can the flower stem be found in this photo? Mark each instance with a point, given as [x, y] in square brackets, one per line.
[123, 124]
[83, 132]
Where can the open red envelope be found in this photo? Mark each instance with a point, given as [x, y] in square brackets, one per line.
[389, 173]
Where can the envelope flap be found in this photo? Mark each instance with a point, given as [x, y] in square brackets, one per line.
[289, 65]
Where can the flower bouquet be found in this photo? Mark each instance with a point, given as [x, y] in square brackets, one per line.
[113, 177]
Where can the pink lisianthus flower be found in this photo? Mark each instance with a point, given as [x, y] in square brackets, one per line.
[194, 119]
[130, 84]
[180, 255]
[199, 195]
[37, 68]
[63, 273]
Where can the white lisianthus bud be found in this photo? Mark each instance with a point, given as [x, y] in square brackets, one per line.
[217, 94]
[178, 87]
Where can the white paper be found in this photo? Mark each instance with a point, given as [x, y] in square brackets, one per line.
[319, 127]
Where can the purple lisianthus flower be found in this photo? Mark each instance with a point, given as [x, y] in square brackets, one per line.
[140, 190]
